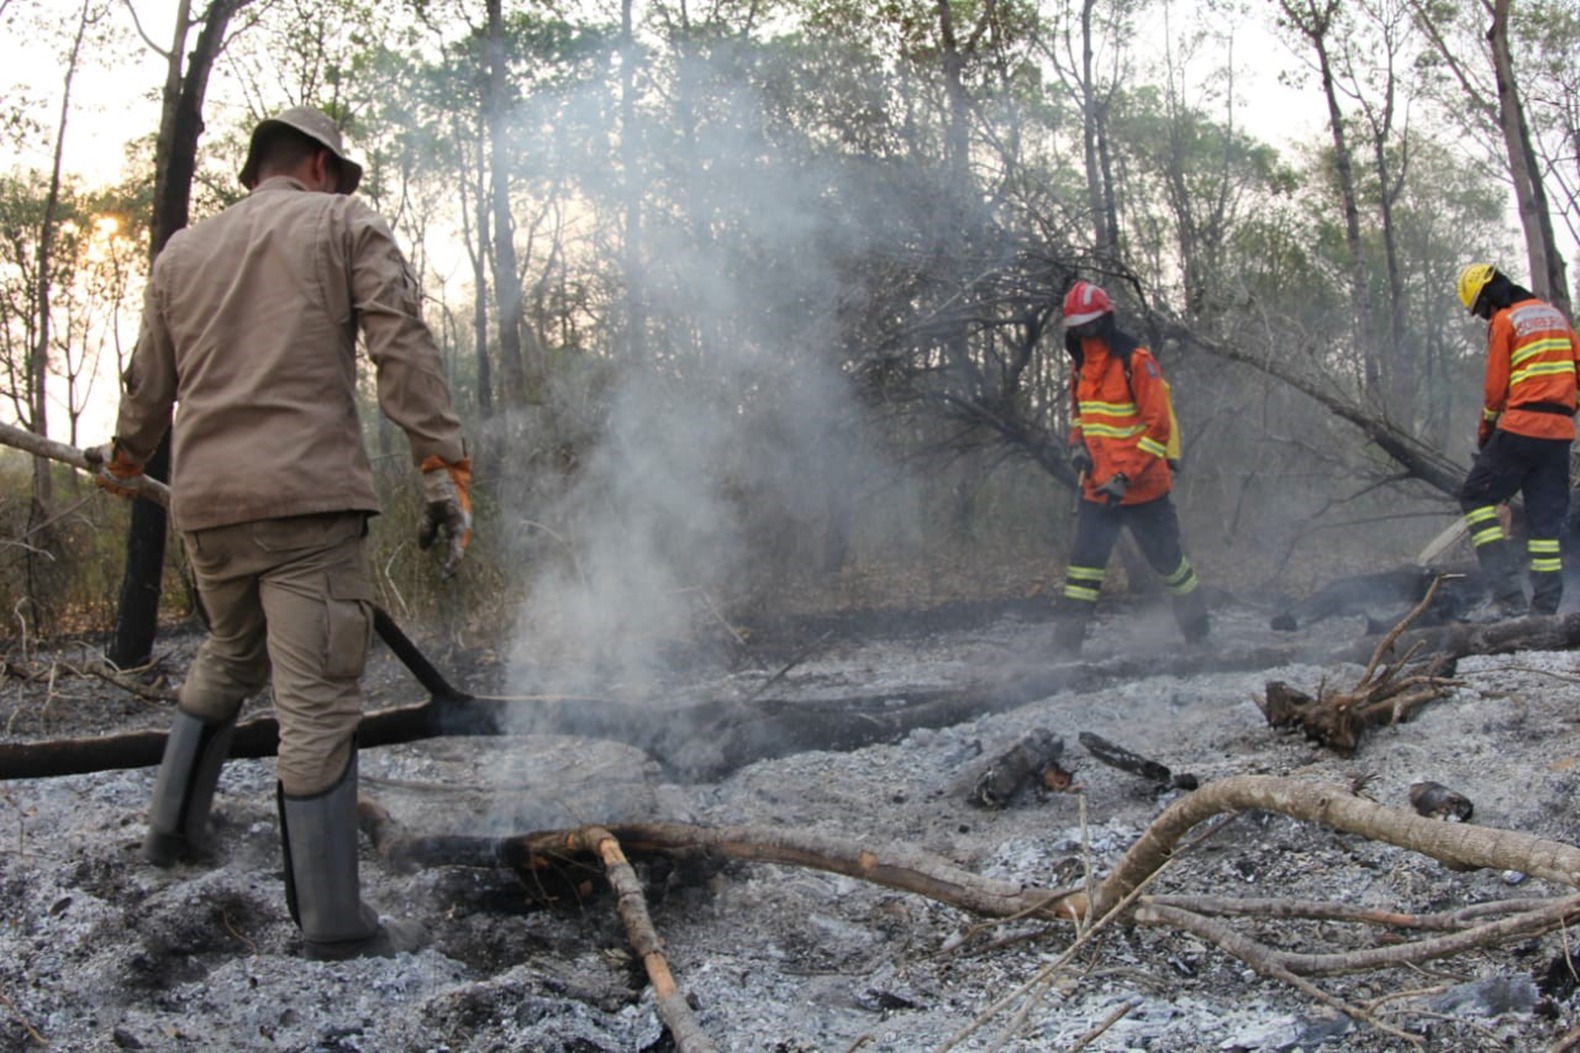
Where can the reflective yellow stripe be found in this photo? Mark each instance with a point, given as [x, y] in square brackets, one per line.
[1540, 369]
[1152, 446]
[1112, 431]
[1112, 409]
[1491, 533]
[1076, 592]
[1086, 574]
[1545, 558]
[1183, 579]
[1481, 515]
[1537, 347]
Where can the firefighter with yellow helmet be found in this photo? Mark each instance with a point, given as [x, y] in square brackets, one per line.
[1527, 426]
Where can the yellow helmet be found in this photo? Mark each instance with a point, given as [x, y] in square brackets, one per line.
[1472, 280]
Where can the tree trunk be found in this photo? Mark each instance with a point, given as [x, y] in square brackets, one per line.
[1099, 188]
[38, 380]
[1415, 457]
[1316, 31]
[630, 163]
[1547, 265]
[507, 279]
[180, 125]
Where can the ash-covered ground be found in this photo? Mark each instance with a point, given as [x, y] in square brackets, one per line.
[100, 952]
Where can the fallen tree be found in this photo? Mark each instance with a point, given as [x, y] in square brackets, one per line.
[709, 739]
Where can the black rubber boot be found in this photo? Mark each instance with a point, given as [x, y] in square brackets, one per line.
[1190, 613]
[322, 887]
[1498, 562]
[178, 826]
[1547, 592]
[1069, 630]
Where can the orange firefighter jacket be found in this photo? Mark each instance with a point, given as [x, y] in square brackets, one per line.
[1532, 353]
[1123, 421]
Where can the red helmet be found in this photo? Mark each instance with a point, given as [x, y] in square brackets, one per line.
[1084, 303]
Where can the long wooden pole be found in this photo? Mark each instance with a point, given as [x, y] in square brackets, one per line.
[39, 446]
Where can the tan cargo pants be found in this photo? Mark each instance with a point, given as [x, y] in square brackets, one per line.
[288, 600]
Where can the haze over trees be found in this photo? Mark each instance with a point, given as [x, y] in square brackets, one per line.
[734, 293]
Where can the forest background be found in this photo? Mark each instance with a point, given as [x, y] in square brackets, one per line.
[749, 305]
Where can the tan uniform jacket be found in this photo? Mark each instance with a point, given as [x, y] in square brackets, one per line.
[249, 330]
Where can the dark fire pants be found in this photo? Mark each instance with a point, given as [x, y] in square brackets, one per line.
[1538, 470]
[1157, 531]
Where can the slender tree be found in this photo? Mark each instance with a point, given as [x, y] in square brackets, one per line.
[180, 125]
[1546, 262]
[1318, 22]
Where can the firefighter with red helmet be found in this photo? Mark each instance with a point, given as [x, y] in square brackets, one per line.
[1527, 426]
[1120, 447]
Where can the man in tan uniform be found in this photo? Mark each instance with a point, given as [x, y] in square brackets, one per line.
[250, 326]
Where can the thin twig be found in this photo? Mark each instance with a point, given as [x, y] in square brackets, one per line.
[800, 657]
[1048, 970]
[252, 948]
[1393, 634]
[31, 1032]
[1264, 960]
[1109, 1021]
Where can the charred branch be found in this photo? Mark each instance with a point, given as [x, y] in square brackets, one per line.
[1032, 761]
[1123, 894]
[1116, 756]
[1382, 695]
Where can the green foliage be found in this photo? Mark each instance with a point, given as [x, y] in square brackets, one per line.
[753, 214]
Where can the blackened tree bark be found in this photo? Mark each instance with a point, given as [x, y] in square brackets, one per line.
[180, 124]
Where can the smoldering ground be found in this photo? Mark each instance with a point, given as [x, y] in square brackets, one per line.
[100, 952]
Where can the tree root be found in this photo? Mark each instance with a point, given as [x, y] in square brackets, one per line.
[1381, 695]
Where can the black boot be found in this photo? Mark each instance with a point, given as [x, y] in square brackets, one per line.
[1498, 562]
[178, 827]
[1069, 630]
[322, 888]
[1547, 591]
[1190, 614]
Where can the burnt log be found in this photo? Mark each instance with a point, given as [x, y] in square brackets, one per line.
[1535, 633]
[1031, 761]
[1375, 596]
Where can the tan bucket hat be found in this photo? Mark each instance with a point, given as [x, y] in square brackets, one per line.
[317, 126]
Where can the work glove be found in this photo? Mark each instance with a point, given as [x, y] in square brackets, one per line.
[447, 508]
[1484, 432]
[1080, 459]
[1114, 489]
[113, 469]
